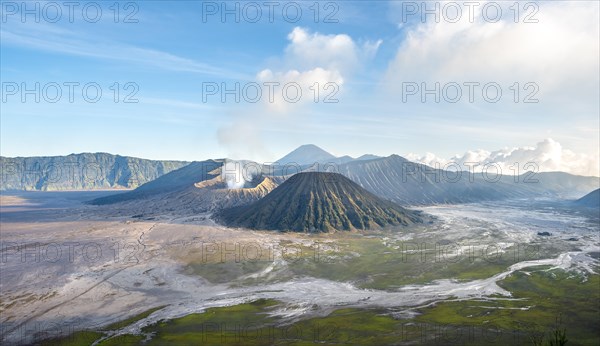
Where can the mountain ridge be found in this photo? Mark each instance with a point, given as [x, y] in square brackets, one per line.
[394, 178]
[199, 187]
[81, 171]
[406, 182]
[309, 154]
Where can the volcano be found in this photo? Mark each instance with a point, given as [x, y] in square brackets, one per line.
[306, 154]
[318, 202]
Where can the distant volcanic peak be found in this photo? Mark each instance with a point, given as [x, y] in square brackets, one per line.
[368, 157]
[306, 154]
[318, 202]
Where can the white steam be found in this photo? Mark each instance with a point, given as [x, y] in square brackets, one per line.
[237, 174]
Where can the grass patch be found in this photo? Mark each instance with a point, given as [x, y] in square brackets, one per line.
[124, 323]
[79, 338]
[245, 324]
[372, 262]
[123, 340]
[545, 296]
[86, 337]
[369, 262]
[549, 294]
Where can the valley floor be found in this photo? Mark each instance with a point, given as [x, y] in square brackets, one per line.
[479, 273]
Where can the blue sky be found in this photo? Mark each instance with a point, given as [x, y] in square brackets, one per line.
[176, 46]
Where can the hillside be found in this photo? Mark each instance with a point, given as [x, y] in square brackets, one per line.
[591, 200]
[196, 188]
[318, 202]
[309, 154]
[80, 171]
[406, 182]
[172, 182]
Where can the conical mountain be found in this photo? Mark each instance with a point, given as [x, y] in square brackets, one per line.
[318, 202]
[306, 154]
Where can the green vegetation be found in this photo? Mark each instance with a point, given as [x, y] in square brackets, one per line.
[541, 296]
[133, 319]
[123, 340]
[79, 338]
[88, 337]
[558, 337]
[373, 262]
[233, 325]
[528, 318]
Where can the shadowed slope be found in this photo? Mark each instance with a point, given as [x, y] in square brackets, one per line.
[591, 200]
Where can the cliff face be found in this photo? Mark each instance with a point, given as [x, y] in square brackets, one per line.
[80, 171]
[318, 202]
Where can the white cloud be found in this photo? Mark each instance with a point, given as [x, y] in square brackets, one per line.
[310, 50]
[314, 57]
[298, 87]
[560, 53]
[308, 59]
[548, 155]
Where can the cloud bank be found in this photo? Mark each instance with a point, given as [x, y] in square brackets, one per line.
[548, 155]
[560, 51]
